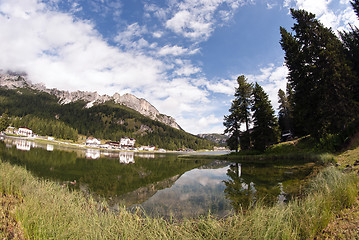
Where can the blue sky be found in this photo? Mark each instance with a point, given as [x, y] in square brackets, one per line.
[181, 56]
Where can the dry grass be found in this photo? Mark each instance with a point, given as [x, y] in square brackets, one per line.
[51, 212]
[345, 225]
[9, 226]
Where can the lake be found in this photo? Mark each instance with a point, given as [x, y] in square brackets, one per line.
[159, 183]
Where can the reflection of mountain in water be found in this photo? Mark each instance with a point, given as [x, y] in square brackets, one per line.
[215, 164]
[103, 177]
[142, 194]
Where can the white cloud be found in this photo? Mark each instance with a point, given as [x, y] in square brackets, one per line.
[223, 86]
[157, 34]
[131, 37]
[271, 78]
[172, 50]
[185, 68]
[195, 19]
[336, 15]
[68, 53]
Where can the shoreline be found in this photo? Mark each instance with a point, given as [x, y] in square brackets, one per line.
[39, 213]
[78, 146]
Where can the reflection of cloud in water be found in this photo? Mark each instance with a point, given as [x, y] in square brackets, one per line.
[205, 177]
[195, 192]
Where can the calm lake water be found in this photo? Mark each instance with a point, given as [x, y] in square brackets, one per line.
[160, 184]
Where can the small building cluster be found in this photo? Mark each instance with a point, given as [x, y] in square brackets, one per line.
[21, 131]
[124, 144]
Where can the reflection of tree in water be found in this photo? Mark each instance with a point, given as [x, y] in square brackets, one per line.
[241, 193]
[249, 184]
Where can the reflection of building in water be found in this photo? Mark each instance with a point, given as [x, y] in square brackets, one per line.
[50, 147]
[93, 153]
[127, 157]
[23, 145]
[146, 155]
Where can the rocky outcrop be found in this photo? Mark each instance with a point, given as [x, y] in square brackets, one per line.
[13, 81]
[214, 137]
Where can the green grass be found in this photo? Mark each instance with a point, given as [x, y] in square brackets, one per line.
[49, 211]
[300, 150]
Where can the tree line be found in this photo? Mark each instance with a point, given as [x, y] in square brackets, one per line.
[251, 105]
[41, 112]
[322, 94]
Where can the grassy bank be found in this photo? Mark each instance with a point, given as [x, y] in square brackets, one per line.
[45, 210]
[300, 150]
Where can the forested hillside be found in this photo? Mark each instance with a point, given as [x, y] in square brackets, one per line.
[41, 112]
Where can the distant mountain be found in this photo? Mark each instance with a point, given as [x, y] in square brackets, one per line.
[215, 137]
[65, 115]
[13, 81]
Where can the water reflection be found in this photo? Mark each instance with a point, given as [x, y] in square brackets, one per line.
[237, 190]
[127, 157]
[23, 145]
[93, 154]
[50, 147]
[161, 183]
[197, 192]
[271, 184]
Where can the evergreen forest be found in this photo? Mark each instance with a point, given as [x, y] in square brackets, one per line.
[322, 94]
[42, 113]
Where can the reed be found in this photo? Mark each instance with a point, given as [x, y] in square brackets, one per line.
[49, 211]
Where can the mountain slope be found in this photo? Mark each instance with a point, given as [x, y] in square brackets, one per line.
[108, 120]
[13, 81]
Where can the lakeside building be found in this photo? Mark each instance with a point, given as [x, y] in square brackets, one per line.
[126, 142]
[147, 148]
[24, 132]
[91, 141]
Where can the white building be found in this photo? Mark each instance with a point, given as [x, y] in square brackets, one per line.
[127, 142]
[24, 132]
[147, 148]
[91, 141]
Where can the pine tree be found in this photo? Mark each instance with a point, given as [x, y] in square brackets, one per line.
[285, 112]
[239, 113]
[320, 75]
[4, 122]
[265, 129]
[351, 43]
[232, 124]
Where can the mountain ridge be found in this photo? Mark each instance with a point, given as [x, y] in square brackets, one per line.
[15, 80]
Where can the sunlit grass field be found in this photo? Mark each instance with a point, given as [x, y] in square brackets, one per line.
[45, 210]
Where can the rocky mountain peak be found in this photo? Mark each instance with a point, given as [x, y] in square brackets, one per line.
[13, 81]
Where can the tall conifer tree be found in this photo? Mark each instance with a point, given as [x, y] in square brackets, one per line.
[284, 113]
[320, 76]
[351, 42]
[239, 113]
[265, 129]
